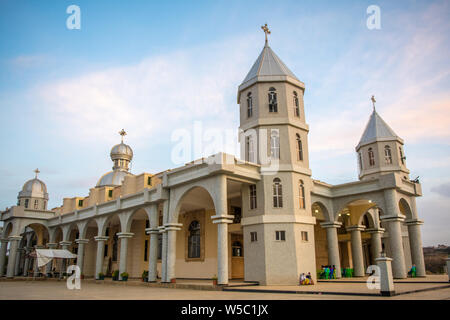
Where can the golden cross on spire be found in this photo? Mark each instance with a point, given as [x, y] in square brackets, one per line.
[37, 172]
[122, 133]
[266, 30]
[373, 102]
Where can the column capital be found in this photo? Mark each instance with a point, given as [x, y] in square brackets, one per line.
[121, 235]
[52, 245]
[412, 222]
[65, 243]
[83, 241]
[14, 238]
[162, 229]
[151, 231]
[4, 240]
[332, 224]
[225, 218]
[375, 230]
[357, 227]
[392, 218]
[101, 238]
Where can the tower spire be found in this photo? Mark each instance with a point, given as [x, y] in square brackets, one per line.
[266, 32]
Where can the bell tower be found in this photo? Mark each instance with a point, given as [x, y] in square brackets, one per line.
[380, 150]
[274, 134]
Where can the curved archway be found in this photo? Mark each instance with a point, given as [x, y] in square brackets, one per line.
[320, 212]
[405, 208]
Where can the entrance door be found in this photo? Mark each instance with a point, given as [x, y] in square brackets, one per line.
[237, 259]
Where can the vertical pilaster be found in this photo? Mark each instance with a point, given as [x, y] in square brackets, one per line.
[123, 236]
[333, 245]
[65, 246]
[357, 252]
[163, 231]
[100, 254]
[415, 243]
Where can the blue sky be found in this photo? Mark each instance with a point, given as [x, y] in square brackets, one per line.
[152, 67]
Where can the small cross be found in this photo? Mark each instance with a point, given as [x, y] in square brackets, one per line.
[266, 30]
[373, 102]
[122, 133]
[37, 172]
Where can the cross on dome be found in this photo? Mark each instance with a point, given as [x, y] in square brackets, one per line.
[37, 172]
[373, 102]
[122, 133]
[266, 30]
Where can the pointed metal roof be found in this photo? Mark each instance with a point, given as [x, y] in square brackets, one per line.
[377, 130]
[269, 67]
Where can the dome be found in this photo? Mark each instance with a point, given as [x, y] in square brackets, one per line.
[113, 178]
[121, 151]
[34, 188]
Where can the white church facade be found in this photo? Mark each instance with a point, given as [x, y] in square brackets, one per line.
[261, 218]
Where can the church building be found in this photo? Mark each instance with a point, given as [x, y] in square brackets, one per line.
[261, 218]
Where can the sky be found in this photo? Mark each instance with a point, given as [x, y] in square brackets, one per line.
[155, 67]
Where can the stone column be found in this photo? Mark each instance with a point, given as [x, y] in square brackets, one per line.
[357, 252]
[3, 249]
[163, 254]
[333, 245]
[448, 268]
[171, 231]
[375, 241]
[100, 254]
[80, 253]
[28, 249]
[415, 243]
[152, 253]
[393, 220]
[386, 279]
[222, 247]
[14, 244]
[18, 258]
[65, 246]
[394, 228]
[48, 267]
[123, 236]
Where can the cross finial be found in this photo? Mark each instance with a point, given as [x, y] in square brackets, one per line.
[122, 133]
[373, 102]
[266, 30]
[37, 172]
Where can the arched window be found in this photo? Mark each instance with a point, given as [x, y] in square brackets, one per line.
[299, 148]
[194, 240]
[277, 193]
[249, 105]
[296, 105]
[371, 157]
[26, 203]
[402, 158]
[301, 194]
[250, 149]
[274, 144]
[36, 204]
[360, 161]
[237, 249]
[387, 155]
[273, 106]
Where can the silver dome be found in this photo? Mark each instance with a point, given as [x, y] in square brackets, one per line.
[113, 178]
[34, 188]
[121, 151]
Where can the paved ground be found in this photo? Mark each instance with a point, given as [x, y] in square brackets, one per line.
[57, 290]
